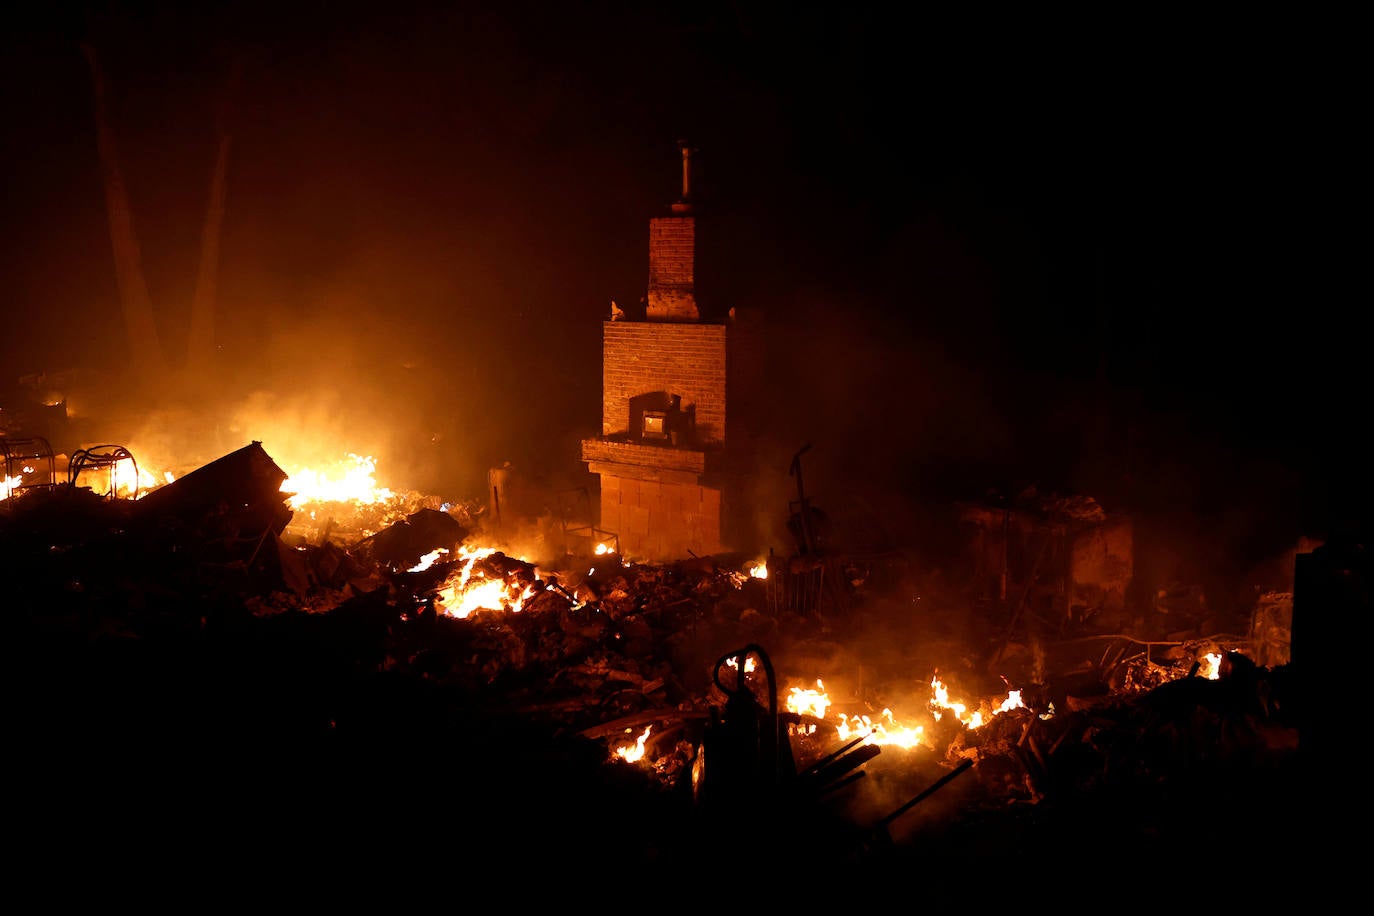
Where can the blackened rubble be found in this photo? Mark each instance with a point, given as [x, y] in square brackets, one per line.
[183, 666]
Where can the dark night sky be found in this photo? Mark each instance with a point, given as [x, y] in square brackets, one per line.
[1072, 252]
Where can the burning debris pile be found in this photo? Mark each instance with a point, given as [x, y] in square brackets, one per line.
[204, 657]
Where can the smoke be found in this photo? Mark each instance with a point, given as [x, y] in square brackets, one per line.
[884, 426]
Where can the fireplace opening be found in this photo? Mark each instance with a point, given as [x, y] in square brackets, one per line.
[659, 417]
[655, 425]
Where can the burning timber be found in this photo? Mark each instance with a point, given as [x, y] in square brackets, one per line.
[186, 662]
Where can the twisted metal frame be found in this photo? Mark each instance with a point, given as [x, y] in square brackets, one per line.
[101, 458]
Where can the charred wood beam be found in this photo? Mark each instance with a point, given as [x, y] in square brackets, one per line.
[819, 779]
[832, 756]
[635, 720]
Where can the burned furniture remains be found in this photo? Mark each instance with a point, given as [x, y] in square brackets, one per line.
[29, 464]
[99, 466]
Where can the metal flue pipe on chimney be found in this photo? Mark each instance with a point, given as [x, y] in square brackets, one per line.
[686, 170]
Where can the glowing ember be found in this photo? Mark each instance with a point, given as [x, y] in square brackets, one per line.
[347, 481]
[634, 752]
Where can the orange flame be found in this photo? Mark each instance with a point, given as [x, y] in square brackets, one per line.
[1211, 667]
[810, 702]
[888, 730]
[7, 484]
[349, 480]
[428, 560]
[749, 664]
[461, 593]
[129, 479]
[634, 752]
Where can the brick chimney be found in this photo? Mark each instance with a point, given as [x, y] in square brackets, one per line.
[672, 256]
[667, 488]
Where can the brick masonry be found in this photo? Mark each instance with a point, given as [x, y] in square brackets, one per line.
[651, 494]
[653, 459]
[660, 519]
[687, 359]
[672, 269]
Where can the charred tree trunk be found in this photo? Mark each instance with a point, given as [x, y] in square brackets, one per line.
[140, 323]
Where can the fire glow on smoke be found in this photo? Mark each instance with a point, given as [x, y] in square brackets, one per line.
[351, 479]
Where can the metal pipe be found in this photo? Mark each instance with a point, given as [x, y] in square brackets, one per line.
[686, 169]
